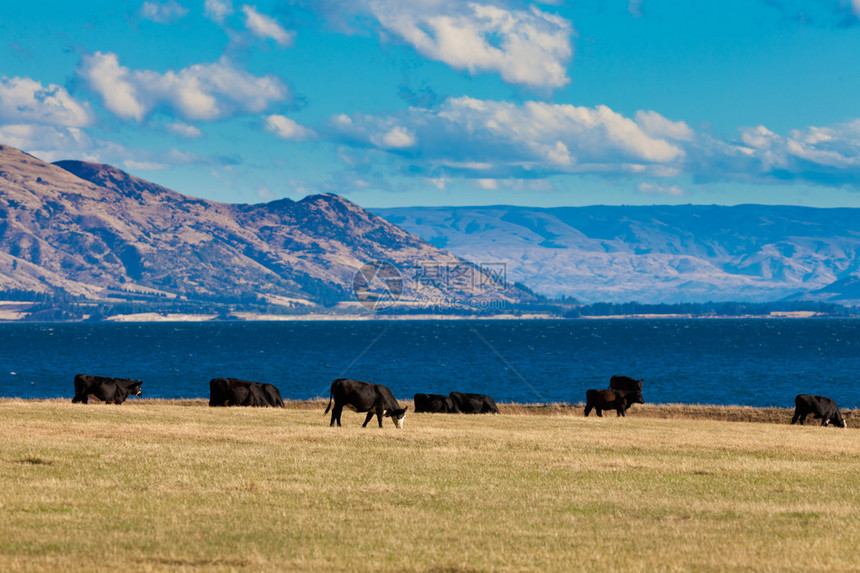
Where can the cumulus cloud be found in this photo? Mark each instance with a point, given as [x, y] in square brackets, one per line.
[656, 125]
[199, 92]
[824, 155]
[481, 137]
[397, 137]
[525, 47]
[24, 101]
[47, 142]
[266, 27]
[163, 12]
[53, 143]
[184, 130]
[218, 10]
[496, 140]
[288, 129]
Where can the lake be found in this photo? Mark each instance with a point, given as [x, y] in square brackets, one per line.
[754, 362]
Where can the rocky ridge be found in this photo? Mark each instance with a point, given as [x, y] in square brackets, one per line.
[93, 230]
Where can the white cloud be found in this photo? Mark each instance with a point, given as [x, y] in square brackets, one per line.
[758, 137]
[47, 142]
[660, 189]
[198, 92]
[656, 125]
[855, 7]
[395, 138]
[218, 10]
[495, 138]
[824, 155]
[163, 12]
[265, 27]
[635, 8]
[439, 182]
[114, 83]
[52, 143]
[288, 129]
[499, 140]
[23, 100]
[525, 47]
[183, 129]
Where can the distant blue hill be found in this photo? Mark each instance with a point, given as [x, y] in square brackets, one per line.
[685, 253]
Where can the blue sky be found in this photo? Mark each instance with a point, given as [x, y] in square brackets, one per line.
[435, 102]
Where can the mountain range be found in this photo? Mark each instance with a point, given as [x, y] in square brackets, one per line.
[96, 232]
[656, 254]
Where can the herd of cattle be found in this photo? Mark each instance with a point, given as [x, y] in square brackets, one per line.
[377, 400]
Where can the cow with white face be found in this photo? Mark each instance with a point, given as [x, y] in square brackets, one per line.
[364, 397]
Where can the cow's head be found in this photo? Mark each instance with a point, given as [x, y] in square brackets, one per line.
[397, 416]
[838, 420]
[134, 388]
[635, 398]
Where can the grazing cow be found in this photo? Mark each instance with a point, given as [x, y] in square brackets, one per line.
[474, 403]
[618, 400]
[819, 407]
[235, 392]
[625, 383]
[104, 388]
[364, 397]
[435, 403]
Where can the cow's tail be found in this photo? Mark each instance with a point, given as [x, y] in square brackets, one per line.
[330, 395]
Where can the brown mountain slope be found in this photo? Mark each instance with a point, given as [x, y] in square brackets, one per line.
[94, 230]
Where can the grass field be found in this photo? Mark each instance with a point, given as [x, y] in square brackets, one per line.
[151, 486]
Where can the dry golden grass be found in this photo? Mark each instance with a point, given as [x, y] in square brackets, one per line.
[159, 485]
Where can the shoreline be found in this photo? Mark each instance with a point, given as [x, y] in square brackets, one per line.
[669, 411]
[251, 318]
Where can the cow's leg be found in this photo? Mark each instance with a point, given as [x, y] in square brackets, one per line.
[369, 418]
[588, 408]
[379, 412]
[802, 419]
[620, 412]
[335, 414]
[796, 417]
[599, 411]
[824, 420]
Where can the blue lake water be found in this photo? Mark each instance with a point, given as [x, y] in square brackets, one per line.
[749, 362]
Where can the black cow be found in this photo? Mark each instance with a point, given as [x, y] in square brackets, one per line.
[236, 392]
[618, 400]
[364, 397]
[819, 407]
[474, 403]
[104, 388]
[625, 383]
[435, 403]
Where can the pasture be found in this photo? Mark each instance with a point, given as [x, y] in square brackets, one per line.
[158, 485]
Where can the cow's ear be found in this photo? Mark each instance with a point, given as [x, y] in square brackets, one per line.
[405, 408]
